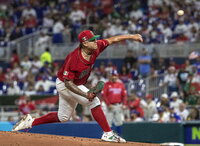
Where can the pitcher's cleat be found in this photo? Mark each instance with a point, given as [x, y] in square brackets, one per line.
[98, 88]
[24, 123]
[112, 137]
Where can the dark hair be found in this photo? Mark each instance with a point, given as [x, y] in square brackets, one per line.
[47, 49]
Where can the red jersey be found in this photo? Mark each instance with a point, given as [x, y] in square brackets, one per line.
[114, 92]
[77, 68]
[135, 105]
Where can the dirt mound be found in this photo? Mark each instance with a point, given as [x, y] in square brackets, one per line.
[30, 139]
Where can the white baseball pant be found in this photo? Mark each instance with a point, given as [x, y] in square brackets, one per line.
[68, 100]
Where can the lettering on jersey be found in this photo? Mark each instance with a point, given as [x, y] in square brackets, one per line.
[65, 73]
[84, 73]
[115, 90]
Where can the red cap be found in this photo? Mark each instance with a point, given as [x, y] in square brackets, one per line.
[87, 35]
[149, 96]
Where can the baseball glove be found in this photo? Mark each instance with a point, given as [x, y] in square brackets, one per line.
[95, 90]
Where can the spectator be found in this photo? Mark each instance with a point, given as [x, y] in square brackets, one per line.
[48, 22]
[2, 76]
[28, 11]
[14, 58]
[58, 28]
[194, 114]
[26, 63]
[124, 75]
[170, 80]
[30, 90]
[36, 65]
[45, 83]
[46, 57]
[182, 78]
[183, 112]
[134, 104]
[134, 72]
[13, 89]
[162, 116]
[163, 102]
[192, 89]
[149, 107]
[129, 60]
[22, 75]
[135, 116]
[144, 61]
[176, 101]
[42, 43]
[16, 33]
[160, 65]
[16, 69]
[97, 77]
[26, 106]
[197, 65]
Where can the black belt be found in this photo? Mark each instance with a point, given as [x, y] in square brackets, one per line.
[116, 103]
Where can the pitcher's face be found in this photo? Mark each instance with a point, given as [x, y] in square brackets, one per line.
[92, 45]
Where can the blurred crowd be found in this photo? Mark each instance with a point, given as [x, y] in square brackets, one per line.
[156, 20]
[36, 75]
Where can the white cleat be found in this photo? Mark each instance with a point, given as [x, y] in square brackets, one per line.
[24, 123]
[112, 137]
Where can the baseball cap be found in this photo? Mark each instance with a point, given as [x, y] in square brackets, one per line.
[87, 35]
[174, 94]
[114, 72]
[164, 95]
[149, 96]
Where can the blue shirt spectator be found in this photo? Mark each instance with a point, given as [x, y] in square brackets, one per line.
[144, 61]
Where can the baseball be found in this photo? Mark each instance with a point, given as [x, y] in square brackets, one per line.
[180, 12]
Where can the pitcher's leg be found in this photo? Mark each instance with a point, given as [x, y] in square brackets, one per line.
[48, 118]
[66, 106]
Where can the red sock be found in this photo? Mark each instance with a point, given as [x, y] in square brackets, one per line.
[99, 116]
[49, 118]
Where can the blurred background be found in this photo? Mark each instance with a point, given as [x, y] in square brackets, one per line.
[160, 78]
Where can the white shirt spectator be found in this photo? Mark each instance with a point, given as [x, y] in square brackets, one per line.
[76, 16]
[149, 109]
[13, 89]
[45, 83]
[22, 75]
[181, 28]
[16, 70]
[175, 103]
[170, 79]
[58, 27]
[183, 112]
[26, 64]
[36, 65]
[48, 22]
[29, 11]
[167, 32]
[136, 14]
[41, 44]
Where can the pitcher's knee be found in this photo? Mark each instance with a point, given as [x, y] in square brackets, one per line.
[95, 102]
[63, 117]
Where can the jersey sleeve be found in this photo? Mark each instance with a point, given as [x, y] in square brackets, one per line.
[102, 44]
[68, 72]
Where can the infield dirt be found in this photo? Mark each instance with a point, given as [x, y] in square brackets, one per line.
[30, 139]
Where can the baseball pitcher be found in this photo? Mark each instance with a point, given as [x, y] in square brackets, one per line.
[70, 84]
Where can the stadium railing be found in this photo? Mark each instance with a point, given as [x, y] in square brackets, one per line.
[26, 46]
[149, 85]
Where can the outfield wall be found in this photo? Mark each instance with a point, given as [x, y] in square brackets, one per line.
[188, 133]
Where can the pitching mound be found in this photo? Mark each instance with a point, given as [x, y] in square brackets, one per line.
[30, 139]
